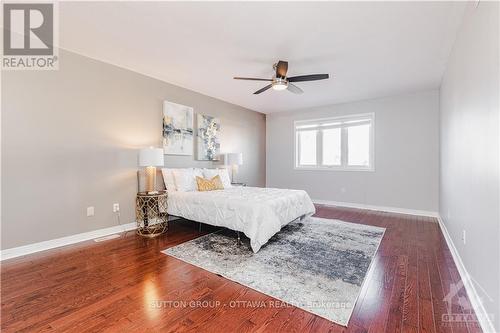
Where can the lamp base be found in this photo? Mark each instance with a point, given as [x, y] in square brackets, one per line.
[234, 171]
[151, 179]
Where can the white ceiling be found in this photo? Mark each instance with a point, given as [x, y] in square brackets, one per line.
[370, 49]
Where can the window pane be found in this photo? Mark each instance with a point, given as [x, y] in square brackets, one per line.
[331, 147]
[358, 145]
[307, 148]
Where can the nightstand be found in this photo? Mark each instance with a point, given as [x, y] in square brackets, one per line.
[151, 213]
[239, 184]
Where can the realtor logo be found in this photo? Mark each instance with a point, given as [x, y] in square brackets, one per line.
[29, 32]
[459, 311]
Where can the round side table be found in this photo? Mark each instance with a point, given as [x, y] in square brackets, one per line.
[151, 213]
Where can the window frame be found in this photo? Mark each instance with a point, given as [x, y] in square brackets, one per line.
[342, 120]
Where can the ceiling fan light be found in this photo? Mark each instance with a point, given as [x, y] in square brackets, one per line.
[280, 85]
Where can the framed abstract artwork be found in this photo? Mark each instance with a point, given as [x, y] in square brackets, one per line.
[208, 146]
[177, 129]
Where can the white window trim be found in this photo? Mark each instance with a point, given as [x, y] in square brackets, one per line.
[344, 166]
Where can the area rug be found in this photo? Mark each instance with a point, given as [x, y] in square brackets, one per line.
[318, 265]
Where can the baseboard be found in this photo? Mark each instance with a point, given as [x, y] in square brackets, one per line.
[68, 240]
[379, 208]
[482, 315]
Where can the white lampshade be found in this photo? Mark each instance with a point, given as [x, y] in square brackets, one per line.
[151, 157]
[234, 159]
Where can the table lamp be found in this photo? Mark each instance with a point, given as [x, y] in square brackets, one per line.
[151, 158]
[234, 160]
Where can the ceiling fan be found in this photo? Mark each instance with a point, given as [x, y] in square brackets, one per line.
[280, 81]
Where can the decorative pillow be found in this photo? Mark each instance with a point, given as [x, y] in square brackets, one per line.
[184, 179]
[168, 179]
[209, 185]
[222, 173]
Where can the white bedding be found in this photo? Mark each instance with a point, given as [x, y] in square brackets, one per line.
[258, 212]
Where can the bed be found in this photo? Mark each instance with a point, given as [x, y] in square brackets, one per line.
[257, 212]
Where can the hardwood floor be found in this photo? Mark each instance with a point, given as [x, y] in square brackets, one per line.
[119, 285]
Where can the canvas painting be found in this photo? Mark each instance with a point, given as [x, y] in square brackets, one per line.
[208, 129]
[177, 129]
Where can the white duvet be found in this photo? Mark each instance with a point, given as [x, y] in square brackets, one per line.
[257, 212]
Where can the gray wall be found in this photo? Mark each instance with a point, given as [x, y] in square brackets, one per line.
[70, 140]
[470, 136]
[406, 154]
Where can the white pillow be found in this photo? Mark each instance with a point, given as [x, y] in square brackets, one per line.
[168, 179]
[197, 172]
[224, 176]
[184, 179]
[222, 173]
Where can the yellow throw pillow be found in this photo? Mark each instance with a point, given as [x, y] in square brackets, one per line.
[209, 185]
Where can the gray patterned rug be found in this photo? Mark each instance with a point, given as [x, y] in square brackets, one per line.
[318, 265]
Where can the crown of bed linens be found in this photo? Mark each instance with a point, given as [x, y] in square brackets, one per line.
[209, 184]
[184, 179]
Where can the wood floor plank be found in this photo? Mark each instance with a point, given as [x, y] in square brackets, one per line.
[128, 285]
[426, 316]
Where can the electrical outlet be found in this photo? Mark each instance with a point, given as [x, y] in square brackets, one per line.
[116, 207]
[90, 211]
[343, 190]
[463, 236]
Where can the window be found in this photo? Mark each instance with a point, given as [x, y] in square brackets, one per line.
[307, 143]
[341, 143]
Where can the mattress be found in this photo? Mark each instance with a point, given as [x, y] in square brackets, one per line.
[257, 212]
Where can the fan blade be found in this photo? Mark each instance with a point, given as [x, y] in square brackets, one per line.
[311, 77]
[281, 68]
[293, 88]
[250, 78]
[263, 89]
